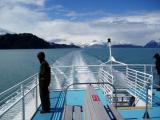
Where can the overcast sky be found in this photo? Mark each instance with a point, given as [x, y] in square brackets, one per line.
[84, 21]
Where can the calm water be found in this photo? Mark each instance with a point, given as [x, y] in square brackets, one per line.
[16, 65]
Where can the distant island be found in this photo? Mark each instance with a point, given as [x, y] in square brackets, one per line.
[28, 41]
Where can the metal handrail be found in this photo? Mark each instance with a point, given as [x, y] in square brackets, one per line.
[138, 71]
[147, 78]
[22, 97]
[128, 67]
[137, 66]
[18, 84]
[65, 100]
[59, 66]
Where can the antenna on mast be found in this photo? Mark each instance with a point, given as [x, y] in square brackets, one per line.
[111, 58]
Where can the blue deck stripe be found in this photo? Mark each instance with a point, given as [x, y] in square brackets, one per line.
[57, 103]
[60, 106]
[76, 97]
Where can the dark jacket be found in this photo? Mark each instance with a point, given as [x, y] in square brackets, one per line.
[158, 65]
[44, 73]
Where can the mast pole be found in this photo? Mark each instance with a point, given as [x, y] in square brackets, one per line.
[109, 45]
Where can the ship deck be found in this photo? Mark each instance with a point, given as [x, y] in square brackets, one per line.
[137, 114]
[75, 98]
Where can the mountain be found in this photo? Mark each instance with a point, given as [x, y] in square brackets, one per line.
[104, 45]
[3, 31]
[55, 45]
[97, 45]
[126, 46]
[152, 44]
[27, 41]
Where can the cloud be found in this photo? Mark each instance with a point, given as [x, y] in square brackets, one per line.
[137, 29]
[18, 17]
[84, 15]
[71, 14]
[24, 2]
[40, 2]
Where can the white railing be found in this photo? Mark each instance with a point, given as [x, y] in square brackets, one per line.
[14, 102]
[110, 73]
[20, 101]
[138, 83]
[104, 76]
[133, 79]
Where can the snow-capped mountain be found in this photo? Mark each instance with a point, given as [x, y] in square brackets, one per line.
[97, 44]
[3, 31]
[152, 44]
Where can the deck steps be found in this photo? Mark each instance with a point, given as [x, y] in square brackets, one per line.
[93, 109]
[122, 99]
[72, 113]
[75, 113]
[68, 113]
[78, 114]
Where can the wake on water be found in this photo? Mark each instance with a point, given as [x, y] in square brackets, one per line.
[81, 73]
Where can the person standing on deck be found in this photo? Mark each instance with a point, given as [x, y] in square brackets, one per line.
[44, 81]
[157, 62]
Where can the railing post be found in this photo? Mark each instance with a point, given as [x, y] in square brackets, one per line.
[135, 85]
[126, 71]
[23, 102]
[151, 70]
[152, 76]
[145, 71]
[73, 73]
[145, 68]
[36, 92]
[99, 74]
[146, 114]
[151, 89]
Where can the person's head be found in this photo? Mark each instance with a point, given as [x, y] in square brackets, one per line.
[41, 56]
[156, 56]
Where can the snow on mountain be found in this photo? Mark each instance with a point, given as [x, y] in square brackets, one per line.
[150, 44]
[3, 31]
[97, 44]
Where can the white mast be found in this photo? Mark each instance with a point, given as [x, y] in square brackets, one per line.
[111, 58]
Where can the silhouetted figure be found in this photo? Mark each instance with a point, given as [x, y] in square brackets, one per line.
[44, 81]
[157, 62]
[132, 102]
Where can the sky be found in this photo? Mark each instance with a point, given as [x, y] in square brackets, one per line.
[84, 21]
